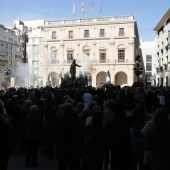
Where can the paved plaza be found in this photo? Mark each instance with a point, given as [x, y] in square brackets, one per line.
[17, 161]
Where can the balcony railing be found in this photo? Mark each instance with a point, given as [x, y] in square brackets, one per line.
[102, 35]
[86, 35]
[102, 61]
[70, 36]
[88, 20]
[121, 34]
[121, 60]
[94, 61]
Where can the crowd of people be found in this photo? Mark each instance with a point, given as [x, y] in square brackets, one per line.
[89, 128]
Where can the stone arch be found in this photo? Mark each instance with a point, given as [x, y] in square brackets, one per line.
[120, 78]
[89, 78]
[53, 78]
[121, 46]
[101, 78]
[86, 47]
[53, 48]
[70, 48]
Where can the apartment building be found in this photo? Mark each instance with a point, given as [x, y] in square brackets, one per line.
[10, 51]
[35, 52]
[99, 45]
[162, 77]
[149, 60]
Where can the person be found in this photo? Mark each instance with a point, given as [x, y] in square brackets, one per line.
[67, 140]
[108, 78]
[73, 69]
[158, 139]
[34, 132]
[49, 120]
[4, 139]
[87, 98]
[93, 142]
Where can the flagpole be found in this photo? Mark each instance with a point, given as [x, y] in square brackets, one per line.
[100, 7]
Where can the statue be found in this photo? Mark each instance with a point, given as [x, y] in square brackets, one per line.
[108, 81]
[73, 69]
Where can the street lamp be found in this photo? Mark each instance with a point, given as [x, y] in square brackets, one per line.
[138, 69]
[7, 75]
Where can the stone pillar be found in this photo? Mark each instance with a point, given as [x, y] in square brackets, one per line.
[94, 80]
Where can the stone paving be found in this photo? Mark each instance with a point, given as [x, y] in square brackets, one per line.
[17, 161]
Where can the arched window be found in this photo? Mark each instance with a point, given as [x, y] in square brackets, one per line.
[86, 50]
[121, 53]
[53, 55]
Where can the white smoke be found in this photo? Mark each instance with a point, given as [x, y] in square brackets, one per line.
[21, 75]
[85, 64]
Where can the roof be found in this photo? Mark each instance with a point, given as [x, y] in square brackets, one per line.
[163, 19]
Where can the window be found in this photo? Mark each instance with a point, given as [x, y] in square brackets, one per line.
[87, 52]
[70, 34]
[10, 46]
[70, 56]
[148, 76]
[35, 56]
[54, 35]
[148, 58]
[86, 33]
[121, 31]
[102, 58]
[35, 48]
[168, 21]
[102, 33]
[148, 66]
[10, 55]
[1, 44]
[35, 64]
[6, 45]
[53, 56]
[121, 56]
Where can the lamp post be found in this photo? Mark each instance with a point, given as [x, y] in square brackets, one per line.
[138, 69]
[7, 75]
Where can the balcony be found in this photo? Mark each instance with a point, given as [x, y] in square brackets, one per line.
[54, 37]
[102, 61]
[102, 35]
[91, 20]
[121, 60]
[121, 34]
[70, 36]
[86, 35]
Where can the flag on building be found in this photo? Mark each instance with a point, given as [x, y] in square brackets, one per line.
[91, 8]
[101, 7]
[74, 8]
[82, 7]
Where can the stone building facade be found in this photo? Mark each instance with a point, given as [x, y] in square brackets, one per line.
[162, 76]
[98, 44]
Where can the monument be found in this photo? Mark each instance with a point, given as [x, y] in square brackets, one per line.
[71, 81]
[73, 69]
